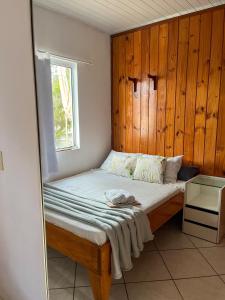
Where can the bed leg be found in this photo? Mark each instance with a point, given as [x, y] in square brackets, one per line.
[101, 285]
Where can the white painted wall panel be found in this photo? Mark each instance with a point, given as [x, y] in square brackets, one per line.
[22, 256]
[70, 38]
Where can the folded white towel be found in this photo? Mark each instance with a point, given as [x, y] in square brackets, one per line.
[119, 196]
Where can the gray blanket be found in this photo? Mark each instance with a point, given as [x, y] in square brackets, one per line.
[127, 228]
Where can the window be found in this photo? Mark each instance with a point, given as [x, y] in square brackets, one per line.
[65, 103]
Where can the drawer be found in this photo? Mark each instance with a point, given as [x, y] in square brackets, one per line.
[201, 216]
[200, 231]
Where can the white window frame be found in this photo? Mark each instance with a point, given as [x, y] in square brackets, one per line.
[59, 61]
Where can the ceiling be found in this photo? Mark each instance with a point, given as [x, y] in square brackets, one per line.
[113, 16]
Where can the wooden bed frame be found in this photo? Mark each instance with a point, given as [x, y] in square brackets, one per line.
[97, 259]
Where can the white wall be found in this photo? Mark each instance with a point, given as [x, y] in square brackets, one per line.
[71, 38]
[22, 266]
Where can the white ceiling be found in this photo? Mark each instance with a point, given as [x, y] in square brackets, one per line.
[114, 16]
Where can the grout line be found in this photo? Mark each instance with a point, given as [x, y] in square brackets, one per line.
[175, 249]
[126, 291]
[171, 279]
[169, 272]
[61, 288]
[194, 277]
[221, 279]
[203, 256]
[207, 261]
[75, 275]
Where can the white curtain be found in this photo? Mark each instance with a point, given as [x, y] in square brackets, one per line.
[49, 162]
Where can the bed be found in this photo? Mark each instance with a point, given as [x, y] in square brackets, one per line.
[89, 245]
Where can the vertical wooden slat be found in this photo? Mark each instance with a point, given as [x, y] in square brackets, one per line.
[171, 86]
[137, 95]
[192, 70]
[129, 91]
[181, 85]
[213, 90]
[162, 75]
[115, 93]
[202, 87]
[144, 89]
[153, 70]
[220, 144]
[122, 92]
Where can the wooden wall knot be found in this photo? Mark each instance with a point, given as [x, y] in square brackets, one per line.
[121, 78]
[179, 132]
[200, 128]
[213, 115]
[219, 149]
[162, 130]
[171, 70]
[200, 110]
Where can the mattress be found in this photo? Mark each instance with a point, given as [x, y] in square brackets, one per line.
[94, 183]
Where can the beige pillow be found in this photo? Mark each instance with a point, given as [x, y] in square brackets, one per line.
[150, 169]
[122, 166]
[173, 165]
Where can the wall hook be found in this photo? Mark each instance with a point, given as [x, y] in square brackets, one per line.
[135, 81]
[155, 80]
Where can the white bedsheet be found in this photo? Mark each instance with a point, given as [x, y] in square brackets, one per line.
[94, 183]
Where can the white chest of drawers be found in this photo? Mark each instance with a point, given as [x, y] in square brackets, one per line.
[204, 208]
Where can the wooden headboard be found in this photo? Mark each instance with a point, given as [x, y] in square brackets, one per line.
[186, 114]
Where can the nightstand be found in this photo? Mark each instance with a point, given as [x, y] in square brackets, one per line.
[204, 208]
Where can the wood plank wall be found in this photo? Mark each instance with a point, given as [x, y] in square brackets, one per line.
[186, 114]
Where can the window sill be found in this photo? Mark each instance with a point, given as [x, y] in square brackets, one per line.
[68, 149]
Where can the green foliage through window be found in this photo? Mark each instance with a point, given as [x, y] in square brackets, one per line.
[62, 105]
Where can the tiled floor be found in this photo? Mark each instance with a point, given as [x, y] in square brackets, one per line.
[174, 266]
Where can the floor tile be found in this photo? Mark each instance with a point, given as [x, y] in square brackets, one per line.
[51, 253]
[172, 238]
[81, 276]
[61, 294]
[158, 290]
[200, 243]
[186, 263]
[216, 257]
[61, 273]
[207, 288]
[148, 267]
[118, 292]
[83, 280]
[150, 246]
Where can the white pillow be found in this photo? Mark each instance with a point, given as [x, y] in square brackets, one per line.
[107, 163]
[123, 165]
[150, 168]
[120, 163]
[173, 165]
